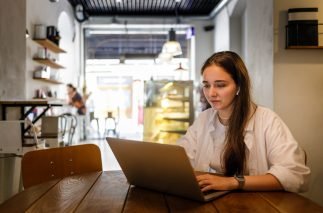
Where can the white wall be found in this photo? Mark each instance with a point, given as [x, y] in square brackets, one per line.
[298, 92]
[203, 45]
[49, 14]
[253, 20]
[12, 49]
[222, 31]
[259, 49]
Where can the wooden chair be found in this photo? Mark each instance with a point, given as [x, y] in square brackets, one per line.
[68, 125]
[47, 164]
[110, 124]
[92, 117]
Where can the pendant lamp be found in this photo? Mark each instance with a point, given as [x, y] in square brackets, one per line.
[180, 68]
[165, 57]
[172, 46]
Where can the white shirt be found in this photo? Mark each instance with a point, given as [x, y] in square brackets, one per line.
[272, 148]
[218, 146]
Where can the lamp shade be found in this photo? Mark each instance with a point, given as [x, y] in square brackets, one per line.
[165, 57]
[172, 46]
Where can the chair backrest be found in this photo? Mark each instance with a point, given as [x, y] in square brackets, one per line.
[47, 164]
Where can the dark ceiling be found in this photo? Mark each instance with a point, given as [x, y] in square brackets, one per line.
[147, 7]
[112, 46]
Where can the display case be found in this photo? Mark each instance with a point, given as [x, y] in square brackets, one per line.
[168, 110]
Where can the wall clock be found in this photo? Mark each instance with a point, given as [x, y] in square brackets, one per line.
[79, 13]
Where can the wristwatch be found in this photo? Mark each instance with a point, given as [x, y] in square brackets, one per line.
[241, 181]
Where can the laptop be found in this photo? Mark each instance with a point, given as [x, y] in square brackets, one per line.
[160, 167]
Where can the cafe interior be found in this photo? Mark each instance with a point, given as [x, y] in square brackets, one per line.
[136, 65]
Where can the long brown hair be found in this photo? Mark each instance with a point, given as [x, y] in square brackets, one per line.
[233, 158]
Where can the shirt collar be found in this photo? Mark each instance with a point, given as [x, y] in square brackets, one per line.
[211, 119]
[251, 124]
[249, 128]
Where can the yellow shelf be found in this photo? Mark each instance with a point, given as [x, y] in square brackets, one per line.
[174, 131]
[49, 45]
[177, 119]
[49, 63]
[177, 98]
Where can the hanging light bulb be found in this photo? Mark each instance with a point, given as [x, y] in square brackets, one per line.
[172, 46]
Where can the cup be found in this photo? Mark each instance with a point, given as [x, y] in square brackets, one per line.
[41, 53]
[40, 31]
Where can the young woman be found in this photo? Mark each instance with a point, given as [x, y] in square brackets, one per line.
[249, 144]
[75, 99]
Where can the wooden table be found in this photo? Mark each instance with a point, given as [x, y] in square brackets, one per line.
[109, 192]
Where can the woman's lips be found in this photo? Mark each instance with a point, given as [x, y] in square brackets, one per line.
[215, 102]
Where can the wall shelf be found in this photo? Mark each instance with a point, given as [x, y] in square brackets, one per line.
[49, 63]
[49, 45]
[48, 80]
[177, 98]
[304, 47]
[177, 119]
[182, 132]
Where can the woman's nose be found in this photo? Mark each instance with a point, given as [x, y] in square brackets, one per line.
[212, 91]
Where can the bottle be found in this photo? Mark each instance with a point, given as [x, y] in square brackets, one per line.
[57, 38]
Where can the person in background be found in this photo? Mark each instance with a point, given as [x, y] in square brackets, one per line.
[75, 99]
[249, 145]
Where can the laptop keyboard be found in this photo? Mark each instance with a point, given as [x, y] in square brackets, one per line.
[208, 192]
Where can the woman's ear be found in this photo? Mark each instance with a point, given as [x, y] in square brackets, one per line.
[238, 91]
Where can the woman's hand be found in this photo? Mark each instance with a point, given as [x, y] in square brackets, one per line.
[266, 182]
[214, 182]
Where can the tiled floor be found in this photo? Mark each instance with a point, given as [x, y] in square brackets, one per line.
[94, 136]
[109, 162]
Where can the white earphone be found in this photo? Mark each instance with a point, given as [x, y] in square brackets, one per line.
[238, 91]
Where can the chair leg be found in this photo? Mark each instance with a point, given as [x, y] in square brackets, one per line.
[97, 124]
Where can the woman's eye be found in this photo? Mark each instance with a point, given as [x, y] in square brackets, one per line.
[206, 86]
[220, 85]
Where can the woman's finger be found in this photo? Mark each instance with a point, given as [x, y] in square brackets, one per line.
[206, 188]
[200, 177]
[205, 182]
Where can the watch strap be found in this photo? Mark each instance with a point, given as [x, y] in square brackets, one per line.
[241, 181]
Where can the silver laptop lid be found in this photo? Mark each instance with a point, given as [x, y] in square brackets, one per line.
[160, 167]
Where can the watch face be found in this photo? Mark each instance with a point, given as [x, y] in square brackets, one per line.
[240, 179]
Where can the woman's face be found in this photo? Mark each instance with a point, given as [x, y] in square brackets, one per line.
[69, 90]
[219, 89]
